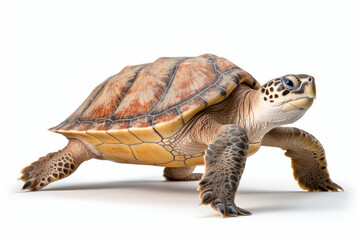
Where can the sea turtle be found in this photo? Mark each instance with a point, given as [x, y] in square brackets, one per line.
[186, 111]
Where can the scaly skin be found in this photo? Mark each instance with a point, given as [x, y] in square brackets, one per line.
[55, 166]
[307, 158]
[224, 164]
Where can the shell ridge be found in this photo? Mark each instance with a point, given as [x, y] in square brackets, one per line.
[147, 90]
[92, 100]
[185, 101]
[218, 78]
[77, 123]
[215, 65]
[173, 74]
[231, 69]
[254, 84]
[97, 94]
[132, 82]
[204, 89]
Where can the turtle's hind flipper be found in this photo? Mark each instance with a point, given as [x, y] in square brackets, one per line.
[55, 166]
[181, 174]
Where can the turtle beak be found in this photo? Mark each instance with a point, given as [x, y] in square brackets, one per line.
[310, 89]
[303, 103]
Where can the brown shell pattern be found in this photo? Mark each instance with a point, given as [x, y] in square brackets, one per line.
[169, 89]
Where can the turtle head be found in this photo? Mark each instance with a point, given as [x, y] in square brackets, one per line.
[289, 96]
[290, 92]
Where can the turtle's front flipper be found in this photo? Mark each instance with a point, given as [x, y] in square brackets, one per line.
[307, 157]
[181, 174]
[224, 164]
[55, 166]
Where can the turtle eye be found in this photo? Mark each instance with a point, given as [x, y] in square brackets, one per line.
[288, 83]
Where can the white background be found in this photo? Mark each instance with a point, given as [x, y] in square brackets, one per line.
[53, 53]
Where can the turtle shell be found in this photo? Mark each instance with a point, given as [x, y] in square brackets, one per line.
[150, 102]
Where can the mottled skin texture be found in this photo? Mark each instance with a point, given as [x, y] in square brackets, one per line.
[225, 134]
[57, 165]
[307, 157]
[224, 164]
